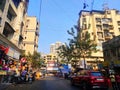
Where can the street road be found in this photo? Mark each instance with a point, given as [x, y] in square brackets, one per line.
[48, 83]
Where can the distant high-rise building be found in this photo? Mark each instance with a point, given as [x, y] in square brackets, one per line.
[54, 47]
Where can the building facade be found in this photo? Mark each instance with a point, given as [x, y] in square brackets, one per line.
[51, 63]
[54, 47]
[111, 51]
[102, 26]
[12, 13]
[31, 35]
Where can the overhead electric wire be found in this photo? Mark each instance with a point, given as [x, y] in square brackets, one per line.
[40, 10]
[92, 4]
[61, 8]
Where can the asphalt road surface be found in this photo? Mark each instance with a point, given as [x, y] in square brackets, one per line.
[48, 83]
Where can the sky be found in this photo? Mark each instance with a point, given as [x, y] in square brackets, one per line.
[58, 16]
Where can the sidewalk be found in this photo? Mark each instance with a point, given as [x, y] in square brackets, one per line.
[3, 86]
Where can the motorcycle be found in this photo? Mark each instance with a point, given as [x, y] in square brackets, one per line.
[30, 76]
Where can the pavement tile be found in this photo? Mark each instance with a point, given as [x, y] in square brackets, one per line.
[3, 86]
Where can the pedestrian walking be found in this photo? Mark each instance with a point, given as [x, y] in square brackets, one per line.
[112, 78]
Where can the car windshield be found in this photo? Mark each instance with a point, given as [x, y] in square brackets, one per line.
[96, 74]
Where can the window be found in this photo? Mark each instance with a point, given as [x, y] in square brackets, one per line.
[84, 26]
[9, 15]
[119, 29]
[118, 22]
[26, 25]
[111, 27]
[84, 19]
[100, 35]
[108, 12]
[105, 26]
[98, 20]
[2, 4]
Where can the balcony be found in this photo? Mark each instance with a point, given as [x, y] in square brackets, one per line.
[13, 7]
[10, 17]
[111, 27]
[100, 36]
[105, 27]
[10, 22]
[37, 33]
[84, 26]
[8, 31]
[29, 42]
[111, 31]
[107, 36]
[98, 20]
[106, 20]
[2, 5]
[118, 22]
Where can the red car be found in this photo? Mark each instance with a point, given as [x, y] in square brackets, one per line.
[88, 79]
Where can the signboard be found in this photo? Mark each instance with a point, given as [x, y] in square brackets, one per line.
[23, 60]
[106, 63]
[69, 66]
[117, 62]
[16, 55]
[2, 72]
[10, 52]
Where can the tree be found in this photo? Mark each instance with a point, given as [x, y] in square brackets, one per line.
[78, 47]
[68, 51]
[37, 61]
[64, 52]
[83, 46]
[74, 43]
[87, 46]
[34, 59]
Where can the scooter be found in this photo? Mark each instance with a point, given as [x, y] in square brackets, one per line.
[30, 78]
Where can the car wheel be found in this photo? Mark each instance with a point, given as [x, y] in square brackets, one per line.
[85, 87]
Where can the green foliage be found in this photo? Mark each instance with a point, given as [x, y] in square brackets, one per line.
[78, 47]
[65, 52]
[87, 46]
[35, 60]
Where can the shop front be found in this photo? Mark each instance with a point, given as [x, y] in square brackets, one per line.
[9, 61]
[3, 60]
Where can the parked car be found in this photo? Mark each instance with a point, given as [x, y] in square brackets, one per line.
[88, 79]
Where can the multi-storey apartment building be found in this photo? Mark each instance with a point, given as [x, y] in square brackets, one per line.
[31, 35]
[51, 62]
[102, 26]
[12, 13]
